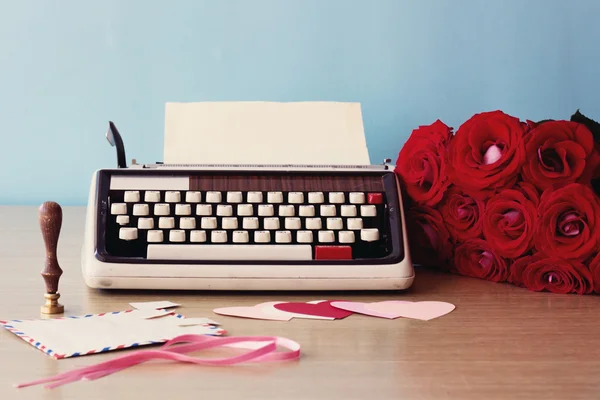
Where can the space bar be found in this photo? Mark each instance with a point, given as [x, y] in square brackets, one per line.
[228, 252]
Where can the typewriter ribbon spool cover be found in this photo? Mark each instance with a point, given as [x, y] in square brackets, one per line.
[265, 133]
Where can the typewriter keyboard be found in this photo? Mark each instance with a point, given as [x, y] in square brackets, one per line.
[248, 224]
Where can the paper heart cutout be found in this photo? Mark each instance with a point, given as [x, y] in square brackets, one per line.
[427, 310]
[392, 309]
[270, 308]
[321, 308]
[264, 311]
[254, 312]
[380, 309]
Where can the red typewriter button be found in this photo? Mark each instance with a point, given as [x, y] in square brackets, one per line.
[333, 253]
[375, 198]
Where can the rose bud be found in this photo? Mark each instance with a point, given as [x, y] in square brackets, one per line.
[476, 258]
[462, 214]
[421, 164]
[567, 224]
[559, 153]
[487, 153]
[509, 223]
[557, 275]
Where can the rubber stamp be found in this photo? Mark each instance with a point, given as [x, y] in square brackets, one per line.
[50, 219]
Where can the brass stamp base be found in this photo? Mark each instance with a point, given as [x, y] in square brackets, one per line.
[52, 306]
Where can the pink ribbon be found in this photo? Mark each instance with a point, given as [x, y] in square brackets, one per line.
[261, 349]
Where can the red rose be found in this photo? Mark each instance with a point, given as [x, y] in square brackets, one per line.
[462, 214]
[595, 270]
[559, 153]
[429, 239]
[509, 223]
[557, 275]
[421, 163]
[567, 225]
[476, 258]
[518, 267]
[487, 153]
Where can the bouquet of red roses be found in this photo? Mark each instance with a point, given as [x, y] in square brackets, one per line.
[506, 200]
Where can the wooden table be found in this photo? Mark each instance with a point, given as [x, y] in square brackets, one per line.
[501, 342]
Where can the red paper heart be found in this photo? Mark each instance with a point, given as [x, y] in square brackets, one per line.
[322, 309]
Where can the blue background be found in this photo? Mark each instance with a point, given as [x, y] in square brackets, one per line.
[68, 66]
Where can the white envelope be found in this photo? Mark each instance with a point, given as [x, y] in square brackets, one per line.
[74, 336]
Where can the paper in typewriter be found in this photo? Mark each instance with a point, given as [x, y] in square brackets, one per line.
[265, 133]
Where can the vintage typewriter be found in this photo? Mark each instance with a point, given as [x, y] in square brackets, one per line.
[245, 227]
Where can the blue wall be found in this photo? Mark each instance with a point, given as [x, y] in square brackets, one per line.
[68, 66]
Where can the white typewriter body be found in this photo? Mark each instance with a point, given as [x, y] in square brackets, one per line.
[180, 260]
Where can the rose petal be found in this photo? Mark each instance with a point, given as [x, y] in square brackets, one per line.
[569, 224]
[519, 266]
[431, 245]
[486, 259]
[492, 154]
[512, 216]
[594, 266]
[428, 174]
[421, 164]
[432, 235]
[550, 160]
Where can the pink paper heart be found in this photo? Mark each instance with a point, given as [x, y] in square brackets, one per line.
[264, 311]
[425, 310]
[422, 310]
[364, 308]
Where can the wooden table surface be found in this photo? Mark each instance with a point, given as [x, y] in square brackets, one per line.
[500, 342]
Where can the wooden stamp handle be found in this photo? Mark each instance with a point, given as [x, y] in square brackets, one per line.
[50, 219]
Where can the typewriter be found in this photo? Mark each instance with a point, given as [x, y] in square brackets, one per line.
[245, 227]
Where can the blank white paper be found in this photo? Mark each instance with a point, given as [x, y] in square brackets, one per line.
[265, 133]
